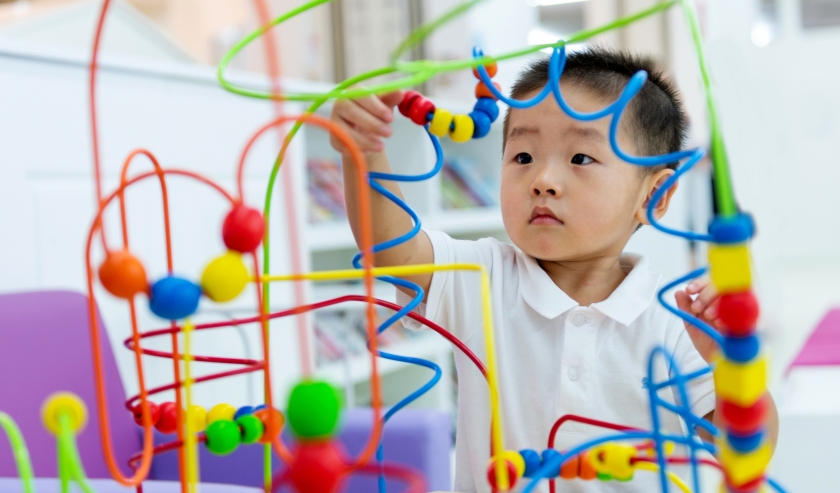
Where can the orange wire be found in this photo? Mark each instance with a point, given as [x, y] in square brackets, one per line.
[274, 72]
[99, 378]
[367, 257]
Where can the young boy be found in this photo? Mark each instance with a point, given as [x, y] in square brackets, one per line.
[575, 318]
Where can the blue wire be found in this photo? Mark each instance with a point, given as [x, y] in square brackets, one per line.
[419, 294]
[708, 329]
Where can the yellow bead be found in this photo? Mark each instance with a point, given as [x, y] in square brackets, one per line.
[743, 468]
[197, 418]
[225, 277]
[613, 459]
[221, 411]
[440, 122]
[742, 384]
[730, 267]
[67, 404]
[514, 457]
[464, 128]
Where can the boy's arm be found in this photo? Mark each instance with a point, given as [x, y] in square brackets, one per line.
[367, 120]
[704, 307]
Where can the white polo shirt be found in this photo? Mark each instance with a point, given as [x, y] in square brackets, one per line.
[555, 357]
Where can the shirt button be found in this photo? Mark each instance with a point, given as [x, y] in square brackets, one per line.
[579, 320]
[573, 373]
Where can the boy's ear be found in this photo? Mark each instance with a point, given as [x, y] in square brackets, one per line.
[653, 183]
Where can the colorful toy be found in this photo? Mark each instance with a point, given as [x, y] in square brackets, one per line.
[315, 463]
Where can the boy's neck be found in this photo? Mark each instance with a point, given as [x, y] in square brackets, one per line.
[586, 281]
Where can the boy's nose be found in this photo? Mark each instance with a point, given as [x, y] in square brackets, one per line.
[545, 184]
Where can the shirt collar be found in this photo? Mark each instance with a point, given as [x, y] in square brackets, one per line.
[624, 305]
[635, 293]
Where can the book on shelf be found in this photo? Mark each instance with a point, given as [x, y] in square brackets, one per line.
[326, 190]
[340, 334]
[463, 186]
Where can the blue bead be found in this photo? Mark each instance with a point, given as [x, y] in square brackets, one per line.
[741, 349]
[173, 298]
[532, 461]
[242, 411]
[482, 124]
[745, 443]
[487, 105]
[736, 229]
[549, 455]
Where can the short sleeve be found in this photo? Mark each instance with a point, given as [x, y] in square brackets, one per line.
[701, 390]
[453, 294]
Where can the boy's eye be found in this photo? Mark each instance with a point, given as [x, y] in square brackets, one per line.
[523, 158]
[581, 159]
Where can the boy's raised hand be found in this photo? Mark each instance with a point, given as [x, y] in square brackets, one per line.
[704, 307]
[366, 119]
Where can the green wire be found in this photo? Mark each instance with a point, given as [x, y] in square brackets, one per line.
[423, 31]
[69, 464]
[723, 182]
[19, 451]
[419, 71]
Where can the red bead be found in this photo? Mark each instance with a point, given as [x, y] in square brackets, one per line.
[123, 275]
[168, 421]
[744, 420]
[317, 467]
[738, 312]
[243, 229]
[490, 68]
[481, 91]
[154, 413]
[405, 105]
[511, 472]
[420, 109]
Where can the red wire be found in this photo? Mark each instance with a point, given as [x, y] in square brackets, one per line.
[579, 419]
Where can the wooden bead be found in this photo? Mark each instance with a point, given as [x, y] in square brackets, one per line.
[440, 122]
[481, 91]
[464, 128]
[405, 105]
[420, 109]
[491, 69]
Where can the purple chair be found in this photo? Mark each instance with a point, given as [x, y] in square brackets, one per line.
[45, 348]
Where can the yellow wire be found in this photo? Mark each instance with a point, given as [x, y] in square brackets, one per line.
[190, 443]
[487, 310]
[647, 466]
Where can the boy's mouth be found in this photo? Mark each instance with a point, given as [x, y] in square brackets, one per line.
[543, 216]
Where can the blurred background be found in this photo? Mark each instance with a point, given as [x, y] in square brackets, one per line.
[776, 75]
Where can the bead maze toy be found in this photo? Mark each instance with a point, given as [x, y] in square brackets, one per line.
[315, 463]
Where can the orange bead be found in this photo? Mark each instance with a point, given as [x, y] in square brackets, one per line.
[481, 91]
[570, 468]
[272, 427]
[491, 69]
[586, 471]
[123, 275]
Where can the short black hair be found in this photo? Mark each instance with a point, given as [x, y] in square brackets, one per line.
[655, 117]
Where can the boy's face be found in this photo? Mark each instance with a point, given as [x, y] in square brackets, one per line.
[565, 195]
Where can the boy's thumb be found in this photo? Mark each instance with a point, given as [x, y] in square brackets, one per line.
[392, 99]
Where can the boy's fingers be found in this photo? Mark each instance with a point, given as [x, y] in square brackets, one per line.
[697, 285]
[392, 99]
[367, 143]
[363, 120]
[376, 107]
[706, 297]
[683, 301]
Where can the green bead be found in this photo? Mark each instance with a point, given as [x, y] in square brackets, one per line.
[251, 427]
[604, 476]
[314, 410]
[223, 436]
